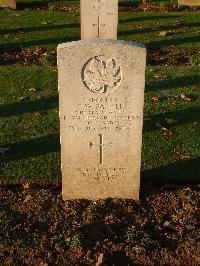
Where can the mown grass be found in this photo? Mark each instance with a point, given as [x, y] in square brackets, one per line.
[29, 126]
[21, 29]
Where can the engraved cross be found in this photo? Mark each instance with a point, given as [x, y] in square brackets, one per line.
[101, 145]
[99, 26]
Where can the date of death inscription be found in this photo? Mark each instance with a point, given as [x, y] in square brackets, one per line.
[101, 114]
[102, 174]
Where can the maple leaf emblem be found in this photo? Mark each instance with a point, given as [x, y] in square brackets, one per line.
[102, 75]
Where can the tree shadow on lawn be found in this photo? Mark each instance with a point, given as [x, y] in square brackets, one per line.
[141, 19]
[173, 42]
[189, 115]
[7, 46]
[20, 108]
[159, 28]
[40, 28]
[179, 173]
[33, 148]
[173, 83]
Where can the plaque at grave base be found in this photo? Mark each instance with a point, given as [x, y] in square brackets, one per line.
[99, 19]
[8, 4]
[101, 95]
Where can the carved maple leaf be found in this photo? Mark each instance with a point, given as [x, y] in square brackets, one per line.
[101, 76]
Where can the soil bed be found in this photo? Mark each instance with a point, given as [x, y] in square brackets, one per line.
[47, 57]
[38, 228]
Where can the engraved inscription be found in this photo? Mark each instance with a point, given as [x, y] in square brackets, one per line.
[101, 114]
[99, 7]
[98, 174]
[101, 75]
[101, 145]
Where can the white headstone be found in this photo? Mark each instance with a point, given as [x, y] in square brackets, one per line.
[101, 95]
[8, 3]
[189, 2]
[99, 19]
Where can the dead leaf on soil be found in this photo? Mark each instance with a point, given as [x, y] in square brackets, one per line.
[100, 260]
[185, 98]
[26, 185]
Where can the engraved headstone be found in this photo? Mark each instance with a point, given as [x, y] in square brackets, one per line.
[188, 2]
[99, 19]
[101, 95]
[8, 3]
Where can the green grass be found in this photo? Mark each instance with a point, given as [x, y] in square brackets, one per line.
[30, 128]
[49, 28]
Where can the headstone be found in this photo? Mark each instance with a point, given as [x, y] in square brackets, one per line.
[99, 19]
[101, 95]
[189, 2]
[8, 3]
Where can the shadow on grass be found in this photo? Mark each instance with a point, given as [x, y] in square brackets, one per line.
[189, 115]
[173, 83]
[159, 28]
[33, 148]
[20, 108]
[176, 41]
[179, 172]
[40, 28]
[7, 46]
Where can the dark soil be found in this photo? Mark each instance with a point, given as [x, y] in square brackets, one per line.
[148, 5]
[75, 7]
[48, 57]
[38, 228]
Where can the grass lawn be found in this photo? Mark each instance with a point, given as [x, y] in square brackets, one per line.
[32, 28]
[30, 125]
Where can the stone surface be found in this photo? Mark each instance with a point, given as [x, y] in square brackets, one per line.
[189, 2]
[99, 19]
[8, 3]
[101, 94]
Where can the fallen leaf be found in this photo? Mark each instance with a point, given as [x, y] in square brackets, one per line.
[3, 150]
[157, 75]
[26, 185]
[155, 99]
[23, 98]
[171, 121]
[32, 89]
[185, 98]
[28, 197]
[181, 156]
[37, 114]
[162, 33]
[169, 225]
[168, 134]
[100, 260]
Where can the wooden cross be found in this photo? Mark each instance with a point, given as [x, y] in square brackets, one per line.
[101, 145]
[99, 26]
